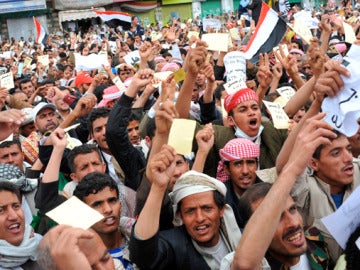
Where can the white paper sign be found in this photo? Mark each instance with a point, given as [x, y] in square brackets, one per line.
[350, 36]
[211, 23]
[278, 115]
[286, 92]
[343, 222]
[75, 213]
[132, 58]
[343, 110]
[217, 41]
[90, 62]
[235, 65]
[302, 30]
[7, 80]
[306, 19]
[234, 86]
[44, 59]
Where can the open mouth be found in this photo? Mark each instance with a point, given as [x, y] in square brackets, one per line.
[253, 122]
[349, 170]
[14, 228]
[109, 220]
[202, 229]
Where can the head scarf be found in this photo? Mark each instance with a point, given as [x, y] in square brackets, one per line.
[13, 174]
[193, 182]
[245, 94]
[190, 183]
[234, 150]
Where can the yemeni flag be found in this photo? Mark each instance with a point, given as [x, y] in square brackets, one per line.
[115, 18]
[269, 31]
[41, 35]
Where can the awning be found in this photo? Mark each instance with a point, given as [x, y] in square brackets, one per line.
[74, 15]
[140, 6]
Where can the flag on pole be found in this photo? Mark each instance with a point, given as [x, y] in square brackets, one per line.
[269, 31]
[41, 35]
[115, 18]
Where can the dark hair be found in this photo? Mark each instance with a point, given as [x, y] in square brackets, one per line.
[95, 114]
[6, 144]
[80, 150]
[251, 195]
[218, 90]
[23, 81]
[352, 252]
[10, 187]
[99, 91]
[318, 150]
[150, 128]
[218, 198]
[93, 183]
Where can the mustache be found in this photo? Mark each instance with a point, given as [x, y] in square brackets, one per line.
[292, 231]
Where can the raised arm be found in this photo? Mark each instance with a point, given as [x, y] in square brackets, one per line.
[159, 171]
[328, 84]
[194, 62]
[256, 237]
[205, 141]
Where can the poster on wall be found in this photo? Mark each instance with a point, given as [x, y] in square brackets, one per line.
[83, 4]
[7, 6]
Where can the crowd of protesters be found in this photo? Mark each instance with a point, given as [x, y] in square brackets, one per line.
[249, 196]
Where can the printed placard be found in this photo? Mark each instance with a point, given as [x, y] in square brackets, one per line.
[7, 80]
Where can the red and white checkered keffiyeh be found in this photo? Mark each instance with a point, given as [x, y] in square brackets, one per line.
[236, 149]
[246, 94]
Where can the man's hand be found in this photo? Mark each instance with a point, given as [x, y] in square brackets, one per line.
[314, 133]
[264, 74]
[330, 82]
[140, 80]
[63, 243]
[161, 166]
[84, 105]
[10, 121]
[316, 58]
[205, 138]
[209, 72]
[197, 58]
[146, 51]
[57, 138]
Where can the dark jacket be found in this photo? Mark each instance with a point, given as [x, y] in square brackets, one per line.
[170, 249]
[130, 159]
[232, 200]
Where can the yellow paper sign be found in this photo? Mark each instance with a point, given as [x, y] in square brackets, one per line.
[181, 135]
[27, 61]
[179, 75]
